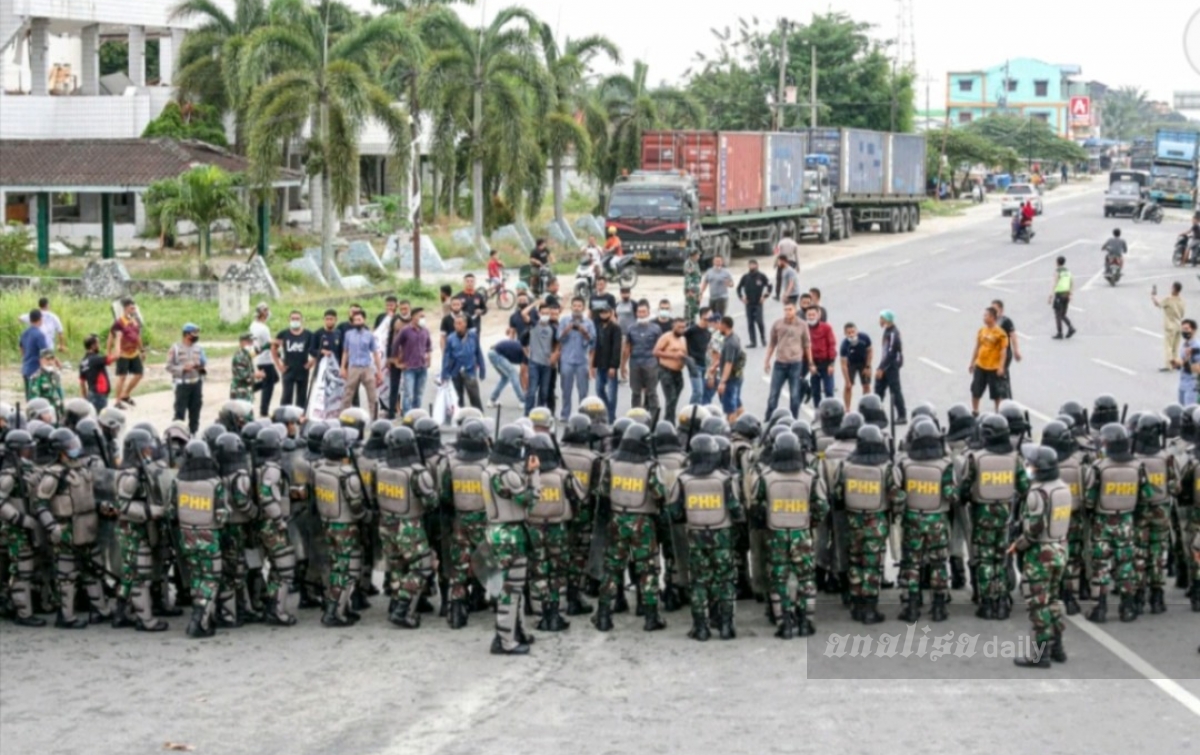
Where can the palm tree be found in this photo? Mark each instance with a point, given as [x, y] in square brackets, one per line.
[497, 67]
[632, 107]
[202, 195]
[210, 57]
[314, 73]
[1125, 113]
[567, 67]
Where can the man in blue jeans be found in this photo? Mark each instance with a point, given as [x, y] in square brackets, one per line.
[791, 345]
[577, 341]
[415, 347]
[730, 371]
[606, 358]
[507, 356]
[541, 341]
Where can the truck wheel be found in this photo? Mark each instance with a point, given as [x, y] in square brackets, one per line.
[893, 225]
[912, 219]
[848, 228]
[903, 219]
[824, 237]
[837, 230]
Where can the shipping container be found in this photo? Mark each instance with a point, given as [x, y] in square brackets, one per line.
[908, 165]
[864, 172]
[828, 142]
[1175, 146]
[785, 169]
[740, 187]
[692, 152]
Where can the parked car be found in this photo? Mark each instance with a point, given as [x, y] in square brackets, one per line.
[1121, 198]
[1018, 194]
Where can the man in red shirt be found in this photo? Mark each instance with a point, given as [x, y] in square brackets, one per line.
[824, 354]
[125, 340]
[1027, 213]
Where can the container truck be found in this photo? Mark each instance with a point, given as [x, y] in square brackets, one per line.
[718, 191]
[1173, 171]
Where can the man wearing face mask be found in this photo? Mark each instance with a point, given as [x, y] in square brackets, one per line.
[187, 365]
[1189, 353]
[664, 322]
[824, 354]
[638, 363]
[297, 359]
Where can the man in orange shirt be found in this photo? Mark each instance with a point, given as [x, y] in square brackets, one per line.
[987, 363]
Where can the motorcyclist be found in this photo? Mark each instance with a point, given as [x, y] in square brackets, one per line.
[540, 260]
[591, 253]
[1191, 237]
[1027, 213]
[1115, 249]
[612, 244]
[1145, 206]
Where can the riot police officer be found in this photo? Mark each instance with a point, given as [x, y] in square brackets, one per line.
[438, 519]
[1045, 517]
[705, 497]
[17, 524]
[548, 525]
[138, 505]
[865, 485]
[833, 535]
[275, 511]
[234, 607]
[339, 494]
[583, 462]
[672, 535]
[462, 489]
[1074, 469]
[789, 498]
[1152, 522]
[927, 478]
[511, 485]
[403, 489]
[308, 536]
[197, 502]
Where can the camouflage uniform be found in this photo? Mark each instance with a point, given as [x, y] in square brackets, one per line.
[1112, 533]
[548, 525]
[790, 550]
[691, 289]
[509, 495]
[17, 534]
[470, 523]
[402, 493]
[138, 508]
[632, 539]
[1152, 523]
[340, 497]
[710, 505]
[65, 506]
[47, 384]
[1045, 519]
[868, 531]
[236, 535]
[989, 527]
[242, 386]
[926, 536]
[197, 502]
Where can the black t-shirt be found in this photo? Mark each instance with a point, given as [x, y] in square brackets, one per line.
[541, 255]
[516, 321]
[698, 338]
[599, 299]
[93, 370]
[473, 307]
[294, 349]
[329, 340]
[1008, 327]
[447, 325]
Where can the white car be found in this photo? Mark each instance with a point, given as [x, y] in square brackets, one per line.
[1018, 194]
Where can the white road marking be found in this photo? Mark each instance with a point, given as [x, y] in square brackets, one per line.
[1073, 308]
[1150, 333]
[858, 277]
[937, 251]
[1035, 413]
[1112, 366]
[901, 263]
[947, 307]
[935, 365]
[1092, 280]
[1025, 336]
[1001, 289]
[999, 277]
[1152, 278]
[1138, 664]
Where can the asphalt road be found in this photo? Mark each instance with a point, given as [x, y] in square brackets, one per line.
[374, 690]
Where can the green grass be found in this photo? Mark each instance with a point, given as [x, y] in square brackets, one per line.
[946, 209]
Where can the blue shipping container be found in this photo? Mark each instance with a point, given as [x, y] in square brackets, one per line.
[785, 169]
[1176, 146]
[908, 165]
[864, 153]
[828, 142]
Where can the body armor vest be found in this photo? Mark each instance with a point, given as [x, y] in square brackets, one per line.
[552, 506]
[1156, 474]
[1070, 471]
[74, 501]
[995, 477]
[501, 509]
[704, 501]
[789, 499]
[240, 482]
[580, 462]
[394, 491]
[466, 486]
[329, 489]
[1056, 511]
[863, 487]
[1118, 486]
[629, 484]
[197, 503]
[923, 485]
[278, 503]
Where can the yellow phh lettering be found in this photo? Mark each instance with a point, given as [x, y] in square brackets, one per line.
[789, 507]
[1158, 479]
[862, 486]
[195, 502]
[325, 495]
[1061, 513]
[995, 478]
[629, 484]
[704, 502]
[1120, 488]
[392, 491]
[467, 487]
[551, 495]
[921, 488]
[583, 477]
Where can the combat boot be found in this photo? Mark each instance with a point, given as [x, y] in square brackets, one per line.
[158, 626]
[121, 618]
[653, 623]
[958, 575]
[96, 616]
[309, 592]
[399, 616]
[986, 610]
[331, 617]
[911, 613]
[576, 606]
[843, 581]
[195, 627]
[158, 603]
[557, 623]
[804, 625]
[246, 611]
[1139, 601]
[1157, 604]
[1099, 612]
[74, 622]
[670, 599]
[938, 612]
[458, 614]
[699, 630]
[603, 618]
[1069, 601]
[443, 590]
[1041, 661]
[592, 588]
[1003, 607]
[275, 614]
[499, 649]
[640, 609]
[869, 613]
[727, 629]
[1196, 596]
[621, 602]
[974, 584]
[1057, 653]
[423, 604]
[358, 601]
[29, 621]
[856, 610]
[787, 626]
[525, 639]
[1129, 611]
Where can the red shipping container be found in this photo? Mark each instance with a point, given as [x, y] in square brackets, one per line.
[727, 166]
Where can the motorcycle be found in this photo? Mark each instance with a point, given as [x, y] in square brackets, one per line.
[1151, 212]
[1112, 269]
[1185, 252]
[622, 269]
[1023, 233]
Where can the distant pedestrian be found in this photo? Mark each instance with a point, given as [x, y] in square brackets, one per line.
[47, 382]
[814, 295]
[462, 363]
[606, 360]
[698, 335]
[361, 365]
[717, 281]
[187, 366]
[447, 326]
[753, 289]
[887, 376]
[987, 362]
[1013, 352]
[474, 305]
[125, 340]
[692, 277]
[626, 311]
[791, 346]
[1065, 172]
[327, 341]
[241, 386]
[856, 356]
[1173, 312]
[576, 342]
[94, 384]
[638, 363]
[542, 344]
[50, 325]
[294, 356]
[600, 297]
[789, 251]
[824, 354]
[508, 358]
[1061, 298]
[264, 362]
[1187, 361]
[32, 343]
[731, 370]
[671, 352]
[789, 282]
[416, 351]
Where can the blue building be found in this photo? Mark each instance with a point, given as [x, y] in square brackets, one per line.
[1024, 87]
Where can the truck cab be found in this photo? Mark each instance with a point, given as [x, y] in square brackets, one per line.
[654, 213]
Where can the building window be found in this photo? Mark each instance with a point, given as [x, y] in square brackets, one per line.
[1011, 85]
[1043, 117]
[966, 85]
[965, 117]
[1041, 88]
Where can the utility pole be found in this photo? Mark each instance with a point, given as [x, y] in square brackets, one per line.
[893, 128]
[783, 61]
[812, 89]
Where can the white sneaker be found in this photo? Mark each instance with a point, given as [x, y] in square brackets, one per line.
[492, 404]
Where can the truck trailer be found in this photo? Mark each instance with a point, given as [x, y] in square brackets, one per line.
[718, 191]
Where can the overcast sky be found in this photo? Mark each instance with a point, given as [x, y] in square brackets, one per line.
[1124, 44]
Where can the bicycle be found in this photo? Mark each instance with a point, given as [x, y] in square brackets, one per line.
[505, 298]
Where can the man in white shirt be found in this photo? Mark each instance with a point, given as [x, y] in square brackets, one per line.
[263, 362]
[50, 325]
